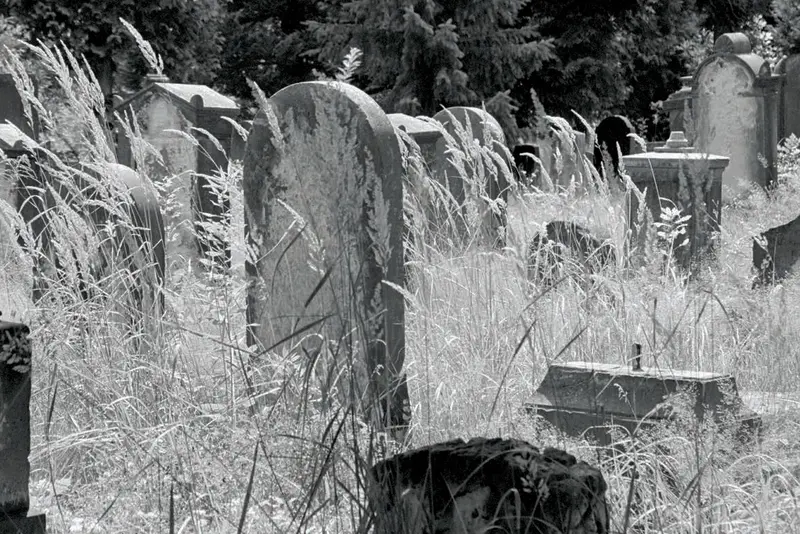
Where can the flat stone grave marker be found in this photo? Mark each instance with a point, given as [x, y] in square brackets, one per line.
[323, 186]
[582, 398]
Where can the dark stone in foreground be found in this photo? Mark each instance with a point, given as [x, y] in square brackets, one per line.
[488, 485]
[30, 523]
[782, 251]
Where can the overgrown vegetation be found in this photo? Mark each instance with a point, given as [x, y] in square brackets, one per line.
[142, 437]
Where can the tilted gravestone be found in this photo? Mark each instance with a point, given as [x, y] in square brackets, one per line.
[495, 163]
[190, 154]
[776, 251]
[323, 187]
[15, 432]
[789, 101]
[567, 247]
[735, 113]
[487, 485]
[613, 136]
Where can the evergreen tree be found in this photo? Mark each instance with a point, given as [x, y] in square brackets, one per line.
[268, 42]
[423, 55]
[184, 32]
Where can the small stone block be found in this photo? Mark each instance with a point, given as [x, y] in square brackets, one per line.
[31, 523]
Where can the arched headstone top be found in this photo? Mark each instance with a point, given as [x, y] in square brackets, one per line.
[733, 43]
[755, 66]
[476, 116]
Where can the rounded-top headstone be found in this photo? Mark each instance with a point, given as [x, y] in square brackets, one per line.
[487, 132]
[323, 192]
[733, 43]
[611, 133]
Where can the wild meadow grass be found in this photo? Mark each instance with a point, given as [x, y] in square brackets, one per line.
[161, 435]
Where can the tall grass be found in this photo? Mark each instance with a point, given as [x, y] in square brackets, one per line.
[132, 439]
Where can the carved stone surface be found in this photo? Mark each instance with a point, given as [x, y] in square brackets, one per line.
[323, 187]
[488, 485]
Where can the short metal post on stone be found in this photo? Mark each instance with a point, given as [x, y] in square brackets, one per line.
[15, 432]
[636, 361]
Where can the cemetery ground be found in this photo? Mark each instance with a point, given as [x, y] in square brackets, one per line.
[157, 434]
[116, 432]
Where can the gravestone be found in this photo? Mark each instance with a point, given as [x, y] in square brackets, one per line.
[676, 105]
[565, 246]
[691, 180]
[12, 108]
[15, 432]
[523, 160]
[323, 186]
[562, 153]
[776, 251]
[191, 155]
[789, 101]
[487, 485]
[735, 113]
[585, 398]
[485, 153]
[613, 136]
[142, 251]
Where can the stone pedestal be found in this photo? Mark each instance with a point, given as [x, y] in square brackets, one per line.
[691, 181]
[676, 105]
[487, 485]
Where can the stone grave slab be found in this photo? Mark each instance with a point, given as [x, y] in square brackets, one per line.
[789, 106]
[613, 135]
[583, 398]
[323, 187]
[12, 108]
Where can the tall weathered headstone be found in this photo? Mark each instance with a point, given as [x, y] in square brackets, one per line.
[613, 136]
[484, 131]
[15, 432]
[789, 102]
[735, 113]
[162, 106]
[323, 185]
